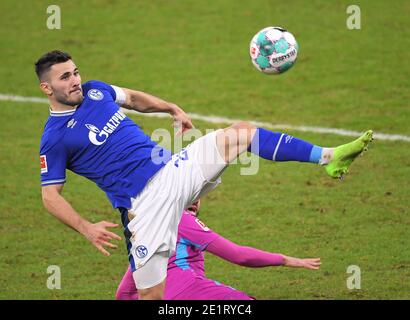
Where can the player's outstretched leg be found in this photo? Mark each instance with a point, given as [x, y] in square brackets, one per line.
[344, 155]
[277, 146]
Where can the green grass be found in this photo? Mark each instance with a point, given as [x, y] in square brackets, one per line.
[196, 55]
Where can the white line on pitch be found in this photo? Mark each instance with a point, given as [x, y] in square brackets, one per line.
[220, 120]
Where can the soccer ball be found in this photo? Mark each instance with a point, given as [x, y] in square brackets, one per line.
[273, 50]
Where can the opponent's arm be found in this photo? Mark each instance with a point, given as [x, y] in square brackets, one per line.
[146, 103]
[96, 233]
[251, 257]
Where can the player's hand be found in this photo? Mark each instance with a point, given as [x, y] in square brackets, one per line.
[311, 263]
[99, 235]
[182, 121]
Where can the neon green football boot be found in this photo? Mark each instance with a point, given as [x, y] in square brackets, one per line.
[344, 155]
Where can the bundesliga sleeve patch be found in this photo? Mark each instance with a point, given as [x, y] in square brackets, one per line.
[201, 224]
[43, 164]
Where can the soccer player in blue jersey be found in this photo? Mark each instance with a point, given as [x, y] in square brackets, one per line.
[88, 134]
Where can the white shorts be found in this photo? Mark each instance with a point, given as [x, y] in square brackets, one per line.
[153, 272]
[156, 211]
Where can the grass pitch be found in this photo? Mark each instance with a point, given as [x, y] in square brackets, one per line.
[197, 56]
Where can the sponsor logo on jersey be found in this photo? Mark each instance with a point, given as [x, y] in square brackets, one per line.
[95, 94]
[201, 224]
[43, 164]
[141, 251]
[97, 136]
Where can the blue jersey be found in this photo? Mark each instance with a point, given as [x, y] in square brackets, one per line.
[99, 142]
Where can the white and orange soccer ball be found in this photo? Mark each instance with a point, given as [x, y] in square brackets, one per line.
[273, 50]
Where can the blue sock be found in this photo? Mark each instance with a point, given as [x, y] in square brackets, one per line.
[278, 146]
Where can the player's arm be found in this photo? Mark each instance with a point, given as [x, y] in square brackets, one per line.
[251, 257]
[96, 233]
[146, 103]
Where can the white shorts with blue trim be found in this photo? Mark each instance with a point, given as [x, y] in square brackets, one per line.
[156, 211]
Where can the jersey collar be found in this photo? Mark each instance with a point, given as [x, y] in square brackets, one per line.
[62, 113]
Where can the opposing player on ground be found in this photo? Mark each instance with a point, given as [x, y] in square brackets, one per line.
[186, 279]
[88, 134]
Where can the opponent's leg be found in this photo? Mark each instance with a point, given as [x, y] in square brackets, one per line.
[207, 289]
[126, 289]
[276, 146]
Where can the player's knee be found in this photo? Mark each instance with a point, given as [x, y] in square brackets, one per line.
[243, 125]
[244, 131]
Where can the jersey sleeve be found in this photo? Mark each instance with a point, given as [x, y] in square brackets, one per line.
[53, 163]
[119, 95]
[116, 93]
[196, 231]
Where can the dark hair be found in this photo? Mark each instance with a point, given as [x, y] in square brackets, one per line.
[48, 59]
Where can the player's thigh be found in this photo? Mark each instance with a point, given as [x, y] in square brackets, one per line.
[153, 273]
[151, 224]
[154, 293]
[205, 153]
